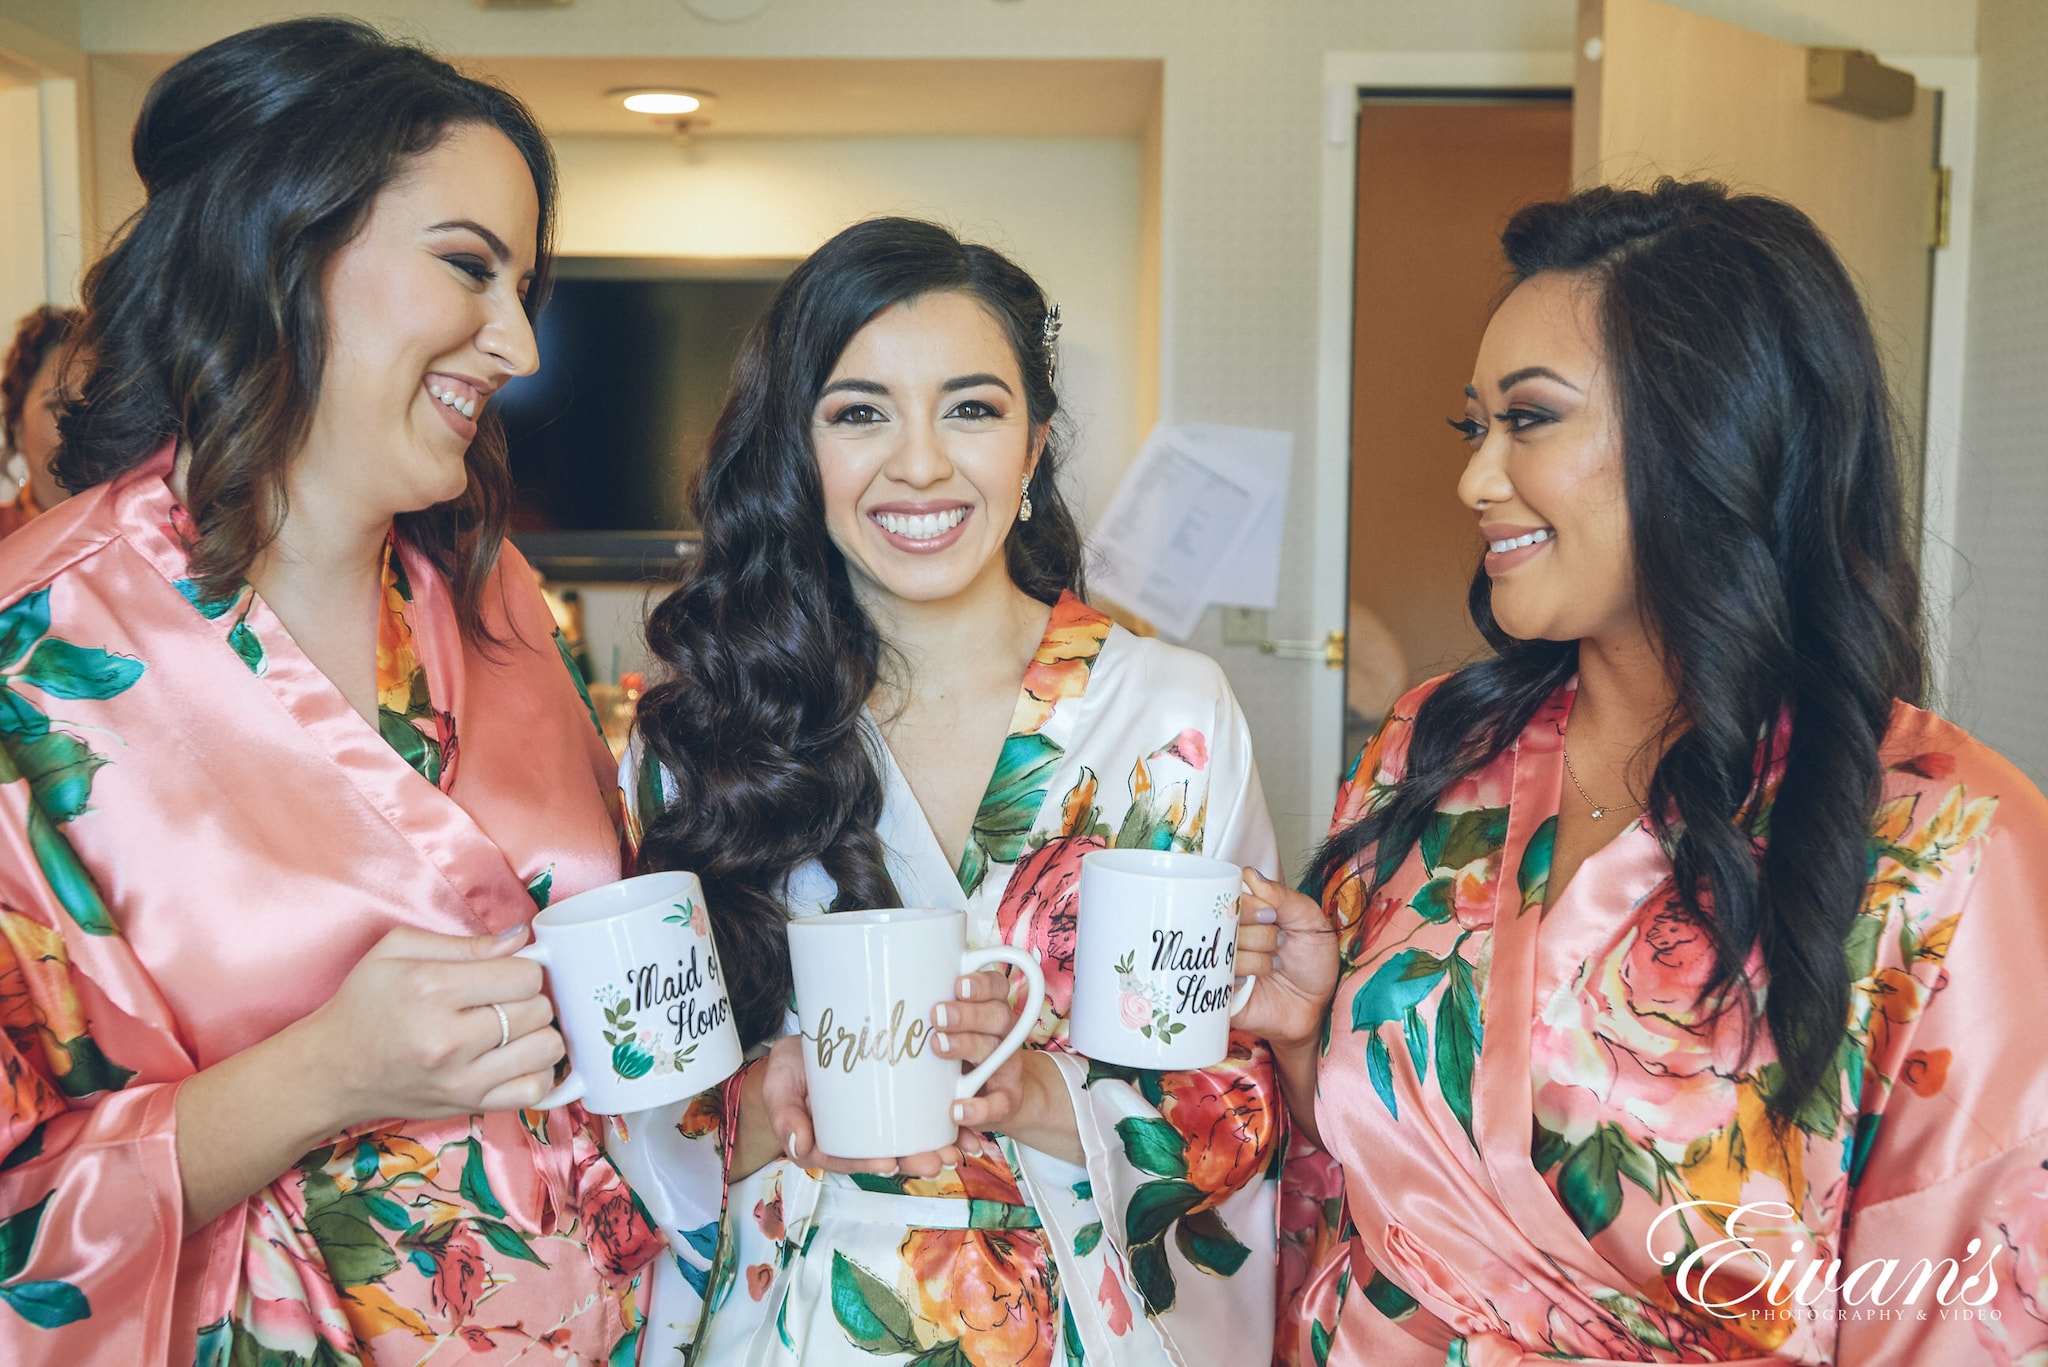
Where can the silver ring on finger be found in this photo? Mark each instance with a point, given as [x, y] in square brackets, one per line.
[504, 1025]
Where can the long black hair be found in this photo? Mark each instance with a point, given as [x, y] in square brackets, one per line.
[767, 658]
[262, 155]
[1770, 553]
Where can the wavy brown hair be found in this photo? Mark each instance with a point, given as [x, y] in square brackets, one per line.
[768, 657]
[262, 155]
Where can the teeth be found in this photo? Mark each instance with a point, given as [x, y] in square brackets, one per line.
[922, 526]
[1513, 543]
[465, 406]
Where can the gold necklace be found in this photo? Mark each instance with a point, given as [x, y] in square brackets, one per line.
[1598, 810]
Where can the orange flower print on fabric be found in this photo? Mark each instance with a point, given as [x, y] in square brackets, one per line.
[423, 735]
[1059, 670]
[987, 1290]
[1226, 1119]
[1925, 1071]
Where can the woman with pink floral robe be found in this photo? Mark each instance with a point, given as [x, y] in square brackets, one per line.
[201, 838]
[1550, 1148]
[1160, 1249]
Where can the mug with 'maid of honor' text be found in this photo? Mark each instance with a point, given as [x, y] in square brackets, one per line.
[866, 983]
[1153, 957]
[633, 973]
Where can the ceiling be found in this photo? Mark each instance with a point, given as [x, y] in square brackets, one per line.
[821, 97]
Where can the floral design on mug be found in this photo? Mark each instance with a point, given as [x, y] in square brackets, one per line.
[636, 1053]
[1141, 1005]
[688, 913]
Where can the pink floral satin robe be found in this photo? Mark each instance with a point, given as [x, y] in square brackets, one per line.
[1551, 1151]
[201, 838]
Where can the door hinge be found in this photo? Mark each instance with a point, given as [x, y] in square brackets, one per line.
[1944, 195]
[1330, 650]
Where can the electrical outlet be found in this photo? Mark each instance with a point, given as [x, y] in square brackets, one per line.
[1244, 626]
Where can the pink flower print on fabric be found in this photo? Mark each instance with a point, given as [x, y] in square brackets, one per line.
[1625, 1044]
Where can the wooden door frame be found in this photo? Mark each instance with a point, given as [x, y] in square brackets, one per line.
[1345, 74]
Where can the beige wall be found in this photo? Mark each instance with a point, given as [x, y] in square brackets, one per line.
[1239, 175]
[56, 20]
[1999, 680]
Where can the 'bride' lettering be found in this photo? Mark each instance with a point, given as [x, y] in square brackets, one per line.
[887, 1047]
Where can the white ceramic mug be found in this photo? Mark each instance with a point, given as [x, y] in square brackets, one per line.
[633, 973]
[866, 983]
[1154, 948]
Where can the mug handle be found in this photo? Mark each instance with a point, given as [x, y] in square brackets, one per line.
[572, 1087]
[1003, 954]
[1243, 996]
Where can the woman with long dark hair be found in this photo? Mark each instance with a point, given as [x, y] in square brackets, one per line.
[33, 382]
[288, 757]
[883, 688]
[1678, 995]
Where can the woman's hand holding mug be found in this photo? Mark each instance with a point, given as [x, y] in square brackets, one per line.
[1285, 941]
[415, 1029]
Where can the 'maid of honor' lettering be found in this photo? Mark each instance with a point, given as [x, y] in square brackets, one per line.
[1153, 956]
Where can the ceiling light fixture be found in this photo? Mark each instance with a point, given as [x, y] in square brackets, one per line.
[642, 99]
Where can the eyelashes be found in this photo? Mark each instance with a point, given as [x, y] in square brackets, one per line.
[1517, 420]
[1467, 428]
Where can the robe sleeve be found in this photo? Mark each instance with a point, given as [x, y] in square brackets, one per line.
[1957, 1174]
[1179, 1189]
[91, 1196]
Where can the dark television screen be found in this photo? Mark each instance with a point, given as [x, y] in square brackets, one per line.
[607, 435]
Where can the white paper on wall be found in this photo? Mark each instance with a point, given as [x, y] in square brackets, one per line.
[1196, 521]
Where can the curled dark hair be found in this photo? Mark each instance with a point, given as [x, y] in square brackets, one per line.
[768, 660]
[262, 155]
[43, 329]
[1769, 547]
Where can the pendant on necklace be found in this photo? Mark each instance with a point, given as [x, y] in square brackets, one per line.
[1599, 812]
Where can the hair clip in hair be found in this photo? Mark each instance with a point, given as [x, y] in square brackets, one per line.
[1050, 336]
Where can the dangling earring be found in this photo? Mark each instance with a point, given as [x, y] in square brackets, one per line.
[1024, 511]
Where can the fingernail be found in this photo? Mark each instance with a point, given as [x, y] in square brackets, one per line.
[941, 1017]
[1281, 941]
[792, 1144]
[960, 1113]
[511, 932]
[1266, 916]
[966, 990]
[940, 1041]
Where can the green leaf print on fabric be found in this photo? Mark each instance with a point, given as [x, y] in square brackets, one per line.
[1458, 1040]
[1389, 1299]
[59, 769]
[212, 609]
[541, 887]
[1589, 1182]
[64, 670]
[248, 648]
[67, 877]
[91, 1070]
[22, 625]
[1016, 792]
[1379, 1067]
[1395, 986]
[45, 1304]
[58, 765]
[227, 1344]
[507, 1240]
[1207, 1243]
[355, 1253]
[1086, 1238]
[1155, 1206]
[1319, 1343]
[1452, 840]
[476, 1184]
[414, 748]
[1153, 1145]
[868, 1310]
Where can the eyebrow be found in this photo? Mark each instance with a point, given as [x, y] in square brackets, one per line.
[1534, 372]
[857, 386]
[497, 245]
